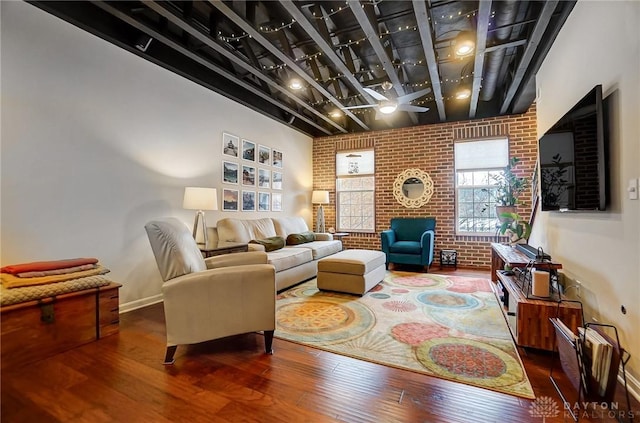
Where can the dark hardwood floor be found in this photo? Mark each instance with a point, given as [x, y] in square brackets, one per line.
[121, 378]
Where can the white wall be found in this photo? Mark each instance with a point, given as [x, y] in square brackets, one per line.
[599, 44]
[97, 141]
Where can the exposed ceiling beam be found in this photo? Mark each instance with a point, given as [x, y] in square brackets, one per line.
[256, 35]
[483, 17]
[207, 40]
[523, 99]
[193, 56]
[373, 37]
[424, 26]
[508, 44]
[534, 40]
[327, 50]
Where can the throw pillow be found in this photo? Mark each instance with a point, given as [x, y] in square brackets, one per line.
[270, 244]
[301, 238]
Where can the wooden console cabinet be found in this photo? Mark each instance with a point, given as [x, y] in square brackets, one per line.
[528, 318]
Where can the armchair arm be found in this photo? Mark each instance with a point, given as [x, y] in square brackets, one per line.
[220, 302]
[323, 236]
[427, 243]
[236, 259]
[387, 237]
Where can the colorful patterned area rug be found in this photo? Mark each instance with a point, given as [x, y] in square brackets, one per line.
[449, 327]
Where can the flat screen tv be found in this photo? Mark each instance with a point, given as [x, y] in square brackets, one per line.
[573, 158]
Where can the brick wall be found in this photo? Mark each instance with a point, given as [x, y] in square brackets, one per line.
[429, 148]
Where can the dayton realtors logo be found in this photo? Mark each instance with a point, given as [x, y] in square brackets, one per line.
[544, 407]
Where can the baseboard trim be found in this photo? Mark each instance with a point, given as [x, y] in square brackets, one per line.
[144, 302]
[633, 384]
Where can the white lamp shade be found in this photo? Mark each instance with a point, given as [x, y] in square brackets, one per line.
[200, 198]
[320, 197]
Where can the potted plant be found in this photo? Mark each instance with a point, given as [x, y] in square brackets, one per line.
[508, 188]
[515, 228]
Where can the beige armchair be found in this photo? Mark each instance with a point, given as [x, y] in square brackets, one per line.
[212, 298]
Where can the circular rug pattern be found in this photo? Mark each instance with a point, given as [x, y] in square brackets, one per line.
[470, 361]
[417, 280]
[326, 320]
[416, 333]
[448, 300]
[399, 306]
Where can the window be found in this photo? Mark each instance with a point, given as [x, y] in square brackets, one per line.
[478, 164]
[355, 189]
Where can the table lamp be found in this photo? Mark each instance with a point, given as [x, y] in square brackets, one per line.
[200, 199]
[320, 197]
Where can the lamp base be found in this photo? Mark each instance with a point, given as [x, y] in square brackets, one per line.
[320, 220]
[200, 216]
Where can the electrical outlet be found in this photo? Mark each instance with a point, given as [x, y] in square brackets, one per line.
[578, 289]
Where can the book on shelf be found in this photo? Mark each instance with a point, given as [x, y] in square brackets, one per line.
[600, 351]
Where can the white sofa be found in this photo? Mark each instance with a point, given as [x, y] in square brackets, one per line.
[293, 263]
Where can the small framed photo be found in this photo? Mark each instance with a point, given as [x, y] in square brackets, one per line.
[230, 172]
[249, 150]
[248, 201]
[276, 180]
[264, 178]
[264, 201]
[248, 175]
[264, 155]
[230, 145]
[276, 202]
[230, 199]
[276, 160]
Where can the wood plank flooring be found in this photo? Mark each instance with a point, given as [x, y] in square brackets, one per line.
[121, 378]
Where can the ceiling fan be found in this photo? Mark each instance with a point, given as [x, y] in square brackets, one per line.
[386, 106]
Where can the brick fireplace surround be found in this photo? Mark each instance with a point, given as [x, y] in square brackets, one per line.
[429, 148]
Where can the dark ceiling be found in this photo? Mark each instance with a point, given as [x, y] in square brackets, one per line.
[249, 51]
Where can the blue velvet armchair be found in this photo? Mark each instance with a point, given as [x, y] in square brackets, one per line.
[409, 241]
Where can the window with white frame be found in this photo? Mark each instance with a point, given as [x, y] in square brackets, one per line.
[478, 165]
[355, 189]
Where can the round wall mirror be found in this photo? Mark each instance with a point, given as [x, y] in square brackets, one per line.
[413, 188]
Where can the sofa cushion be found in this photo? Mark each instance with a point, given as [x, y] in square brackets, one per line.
[289, 225]
[286, 258]
[321, 249]
[301, 238]
[232, 230]
[405, 247]
[270, 244]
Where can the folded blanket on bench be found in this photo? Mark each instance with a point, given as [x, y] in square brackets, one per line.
[40, 266]
[11, 281]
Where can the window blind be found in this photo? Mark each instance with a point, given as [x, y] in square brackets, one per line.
[483, 154]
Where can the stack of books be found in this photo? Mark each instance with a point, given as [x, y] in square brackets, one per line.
[599, 350]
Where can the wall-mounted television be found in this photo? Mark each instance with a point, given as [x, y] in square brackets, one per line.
[574, 158]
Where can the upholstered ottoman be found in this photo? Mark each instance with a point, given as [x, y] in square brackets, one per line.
[351, 271]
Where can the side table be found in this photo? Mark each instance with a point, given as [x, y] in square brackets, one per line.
[339, 236]
[227, 249]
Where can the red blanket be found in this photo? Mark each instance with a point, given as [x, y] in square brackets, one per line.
[39, 266]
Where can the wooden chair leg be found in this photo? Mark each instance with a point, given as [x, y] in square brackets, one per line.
[168, 358]
[268, 341]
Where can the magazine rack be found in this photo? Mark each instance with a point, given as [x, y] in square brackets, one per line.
[576, 364]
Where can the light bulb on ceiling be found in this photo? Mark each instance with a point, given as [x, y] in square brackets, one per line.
[335, 113]
[464, 44]
[295, 84]
[387, 107]
[463, 93]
